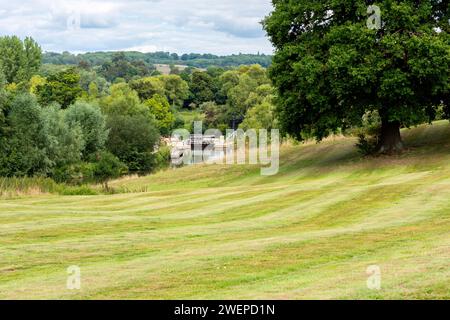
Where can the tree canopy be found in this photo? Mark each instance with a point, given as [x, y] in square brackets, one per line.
[62, 87]
[330, 68]
[19, 60]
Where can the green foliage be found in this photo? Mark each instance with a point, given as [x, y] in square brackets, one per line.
[19, 59]
[92, 124]
[62, 87]
[35, 82]
[123, 101]
[89, 78]
[47, 70]
[93, 92]
[368, 133]
[24, 152]
[75, 174]
[242, 95]
[38, 140]
[107, 167]
[64, 141]
[330, 68]
[146, 88]
[261, 116]
[162, 158]
[240, 90]
[133, 139]
[203, 88]
[159, 107]
[3, 107]
[175, 88]
[214, 115]
[121, 67]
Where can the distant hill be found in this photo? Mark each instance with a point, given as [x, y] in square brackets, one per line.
[163, 58]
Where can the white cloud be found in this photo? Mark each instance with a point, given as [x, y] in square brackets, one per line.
[206, 26]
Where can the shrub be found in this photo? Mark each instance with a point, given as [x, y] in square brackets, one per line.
[162, 158]
[75, 174]
[133, 139]
[107, 167]
[369, 133]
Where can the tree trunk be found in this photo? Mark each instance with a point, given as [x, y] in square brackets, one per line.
[390, 138]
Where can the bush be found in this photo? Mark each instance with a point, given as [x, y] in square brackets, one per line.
[162, 158]
[179, 122]
[133, 139]
[107, 167]
[369, 133]
[76, 174]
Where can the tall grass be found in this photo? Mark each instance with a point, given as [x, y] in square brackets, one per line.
[21, 186]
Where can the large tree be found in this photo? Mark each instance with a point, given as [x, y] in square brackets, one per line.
[19, 60]
[133, 140]
[334, 62]
[62, 87]
[176, 89]
[147, 87]
[202, 88]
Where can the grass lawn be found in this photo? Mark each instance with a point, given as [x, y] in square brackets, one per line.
[225, 232]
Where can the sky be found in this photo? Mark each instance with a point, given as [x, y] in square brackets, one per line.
[219, 27]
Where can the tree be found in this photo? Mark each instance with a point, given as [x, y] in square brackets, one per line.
[4, 127]
[64, 142]
[107, 167]
[159, 107]
[62, 87]
[92, 124]
[32, 58]
[19, 59]
[261, 116]
[176, 89]
[202, 88]
[330, 68]
[133, 139]
[123, 101]
[148, 87]
[214, 116]
[93, 92]
[88, 77]
[244, 88]
[24, 152]
[121, 67]
[35, 82]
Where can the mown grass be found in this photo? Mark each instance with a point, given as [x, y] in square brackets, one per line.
[225, 232]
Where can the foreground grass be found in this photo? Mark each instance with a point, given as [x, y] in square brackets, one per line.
[217, 232]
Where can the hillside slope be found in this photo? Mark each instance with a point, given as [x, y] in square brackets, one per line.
[221, 232]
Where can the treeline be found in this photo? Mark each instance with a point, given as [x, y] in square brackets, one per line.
[82, 124]
[193, 59]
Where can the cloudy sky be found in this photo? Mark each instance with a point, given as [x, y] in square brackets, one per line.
[182, 26]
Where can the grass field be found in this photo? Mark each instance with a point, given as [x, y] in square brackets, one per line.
[225, 232]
